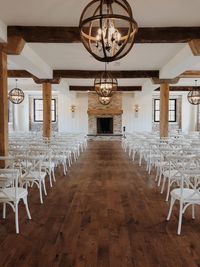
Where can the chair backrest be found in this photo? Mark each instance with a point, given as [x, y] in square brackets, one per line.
[9, 178]
[189, 169]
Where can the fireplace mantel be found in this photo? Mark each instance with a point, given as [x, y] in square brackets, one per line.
[104, 112]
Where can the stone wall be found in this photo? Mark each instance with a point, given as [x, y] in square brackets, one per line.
[94, 104]
[96, 110]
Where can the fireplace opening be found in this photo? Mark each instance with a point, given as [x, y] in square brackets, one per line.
[104, 125]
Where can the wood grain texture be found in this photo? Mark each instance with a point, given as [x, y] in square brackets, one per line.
[105, 212]
[47, 95]
[164, 109]
[106, 111]
[119, 88]
[14, 46]
[85, 74]
[36, 34]
[3, 107]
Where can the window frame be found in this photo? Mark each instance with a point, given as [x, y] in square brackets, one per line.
[52, 110]
[158, 110]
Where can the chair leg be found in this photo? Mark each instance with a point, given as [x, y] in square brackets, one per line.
[40, 190]
[171, 207]
[163, 185]
[193, 211]
[44, 187]
[180, 218]
[27, 208]
[168, 190]
[53, 174]
[4, 210]
[16, 218]
[50, 179]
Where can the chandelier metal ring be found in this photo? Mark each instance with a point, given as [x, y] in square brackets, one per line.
[107, 29]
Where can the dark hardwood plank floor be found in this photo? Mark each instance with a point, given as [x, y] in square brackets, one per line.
[106, 212]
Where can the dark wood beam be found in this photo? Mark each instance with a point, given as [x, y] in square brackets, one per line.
[14, 45]
[120, 88]
[19, 74]
[179, 88]
[190, 74]
[36, 34]
[86, 74]
[50, 81]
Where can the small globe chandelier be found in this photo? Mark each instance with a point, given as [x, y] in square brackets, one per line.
[194, 95]
[16, 95]
[107, 29]
[106, 84]
[104, 100]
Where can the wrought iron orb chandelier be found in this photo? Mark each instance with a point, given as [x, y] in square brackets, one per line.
[194, 95]
[16, 95]
[106, 84]
[107, 29]
[104, 100]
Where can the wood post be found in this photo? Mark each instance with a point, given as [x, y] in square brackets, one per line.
[164, 109]
[3, 107]
[47, 92]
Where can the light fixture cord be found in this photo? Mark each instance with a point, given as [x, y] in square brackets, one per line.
[16, 82]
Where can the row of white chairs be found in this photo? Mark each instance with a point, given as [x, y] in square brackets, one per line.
[30, 162]
[177, 163]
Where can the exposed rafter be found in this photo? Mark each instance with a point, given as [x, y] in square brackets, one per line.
[179, 88]
[119, 88]
[37, 34]
[190, 74]
[86, 74]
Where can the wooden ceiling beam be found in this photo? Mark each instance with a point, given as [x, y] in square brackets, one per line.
[179, 88]
[38, 34]
[119, 88]
[86, 74]
[190, 74]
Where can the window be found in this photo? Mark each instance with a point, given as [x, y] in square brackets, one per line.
[38, 110]
[172, 110]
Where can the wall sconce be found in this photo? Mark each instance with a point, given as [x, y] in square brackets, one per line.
[136, 110]
[73, 108]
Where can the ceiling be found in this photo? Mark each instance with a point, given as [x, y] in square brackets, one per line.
[152, 13]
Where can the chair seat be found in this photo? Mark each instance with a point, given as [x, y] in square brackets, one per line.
[188, 194]
[35, 175]
[9, 193]
[49, 165]
[171, 173]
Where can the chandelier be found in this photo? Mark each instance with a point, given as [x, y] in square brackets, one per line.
[104, 100]
[194, 95]
[107, 29]
[16, 95]
[106, 84]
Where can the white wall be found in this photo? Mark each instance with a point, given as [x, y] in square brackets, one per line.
[69, 121]
[141, 121]
[189, 115]
[77, 121]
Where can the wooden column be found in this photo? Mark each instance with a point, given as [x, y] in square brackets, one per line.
[47, 92]
[3, 107]
[164, 109]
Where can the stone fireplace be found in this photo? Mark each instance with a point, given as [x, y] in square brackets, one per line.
[105, 119]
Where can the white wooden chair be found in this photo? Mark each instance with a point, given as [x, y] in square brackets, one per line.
[35, 175]
[11, 193]
[188, 194]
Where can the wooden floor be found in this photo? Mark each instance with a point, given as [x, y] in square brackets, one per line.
[105, 212]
